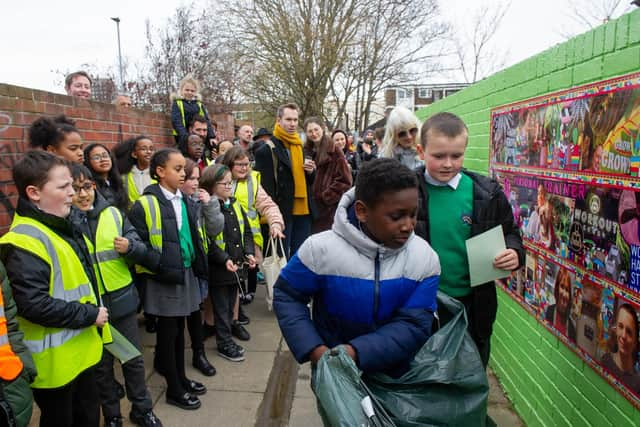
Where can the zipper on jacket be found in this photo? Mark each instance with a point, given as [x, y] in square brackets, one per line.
[376, 287]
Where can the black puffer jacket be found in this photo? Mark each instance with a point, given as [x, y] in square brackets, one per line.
[237, 246]
[168, 265]
[490, 208]
[31, 285]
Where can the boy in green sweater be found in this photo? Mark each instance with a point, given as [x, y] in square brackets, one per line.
[456, 204]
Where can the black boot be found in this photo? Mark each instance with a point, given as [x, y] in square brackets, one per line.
[201, 363]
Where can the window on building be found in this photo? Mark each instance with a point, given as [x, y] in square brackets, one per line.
[425, 93]
[437, 94]
[241, 115]
[403, 93]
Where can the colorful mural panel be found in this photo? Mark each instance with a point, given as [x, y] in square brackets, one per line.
[569, 165]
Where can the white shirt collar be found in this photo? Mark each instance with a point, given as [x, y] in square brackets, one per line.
[453, 182]
[169, 195]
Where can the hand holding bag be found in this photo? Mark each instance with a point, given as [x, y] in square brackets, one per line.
[271, 265]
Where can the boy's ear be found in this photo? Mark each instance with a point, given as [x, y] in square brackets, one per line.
[33, 193]
[362, 211]
[420, 151]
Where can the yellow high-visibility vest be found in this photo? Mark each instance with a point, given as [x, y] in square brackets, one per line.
[152, 218]
[60, 354]
[111, 268]
[180, 104]
[132, 191]
[246, 193]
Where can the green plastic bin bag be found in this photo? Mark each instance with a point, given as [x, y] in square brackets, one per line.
[446, 384]
[343, 399]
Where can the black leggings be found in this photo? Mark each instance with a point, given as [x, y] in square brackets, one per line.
[170, 353]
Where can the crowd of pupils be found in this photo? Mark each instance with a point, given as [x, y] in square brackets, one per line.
[146, 229]
[106, 233]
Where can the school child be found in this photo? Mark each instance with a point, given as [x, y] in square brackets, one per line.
[113, 242]
[133, 158]
[210, 223]
[58, 313]
[372, 280]
[456, 204]
[167, 223]
[195, 151]
[233, 249]
[97, 158]
[57, 135]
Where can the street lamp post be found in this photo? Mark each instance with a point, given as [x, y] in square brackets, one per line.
[117, 21]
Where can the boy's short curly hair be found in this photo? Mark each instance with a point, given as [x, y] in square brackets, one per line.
[381, 176]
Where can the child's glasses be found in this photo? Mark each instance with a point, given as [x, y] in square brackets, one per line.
[227, 184]
[98, 157]
[87, 186]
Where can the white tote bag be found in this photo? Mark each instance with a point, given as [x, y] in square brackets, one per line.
[271, 266]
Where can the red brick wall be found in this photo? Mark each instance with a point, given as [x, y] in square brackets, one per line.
[97, 122]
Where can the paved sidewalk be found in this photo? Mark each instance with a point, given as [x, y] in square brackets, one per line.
[267, 389]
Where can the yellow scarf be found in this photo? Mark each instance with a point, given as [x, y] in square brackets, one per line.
[293, 143]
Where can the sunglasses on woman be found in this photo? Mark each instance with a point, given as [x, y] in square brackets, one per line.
[405, 133]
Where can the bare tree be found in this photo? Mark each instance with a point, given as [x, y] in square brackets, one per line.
[190, 42]
[397, 42]
[591, 13]
[296, 46]
[475, 55]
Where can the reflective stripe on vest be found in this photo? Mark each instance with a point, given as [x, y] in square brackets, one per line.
[111, 268]
[10, 364]
[180, 104]
[246, 193]
[202, 231]
[220, 237]
[152, 218]
[60, 354]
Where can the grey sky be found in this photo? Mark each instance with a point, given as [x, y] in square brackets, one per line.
[39, 37]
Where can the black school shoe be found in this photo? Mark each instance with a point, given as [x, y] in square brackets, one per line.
[113, 422]
[194, 387]
[201, 363]
[243, 319]
[239, 331]
[148, 419]
[186, 401]
[231, 352]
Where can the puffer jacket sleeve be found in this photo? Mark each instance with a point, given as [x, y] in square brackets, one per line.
[511, 232]
[15, 335]
[213, 218]
[292, 292]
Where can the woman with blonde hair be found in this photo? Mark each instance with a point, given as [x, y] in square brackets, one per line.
[186, 105]
[401, 137]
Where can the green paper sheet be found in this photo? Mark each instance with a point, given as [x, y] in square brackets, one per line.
[481, 250]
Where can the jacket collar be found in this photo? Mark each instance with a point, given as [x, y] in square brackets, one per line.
[27, 209]
[352, 233]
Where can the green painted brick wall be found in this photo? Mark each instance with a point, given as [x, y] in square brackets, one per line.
[548, 384]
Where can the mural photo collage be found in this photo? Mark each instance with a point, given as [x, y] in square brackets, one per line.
[569, 164]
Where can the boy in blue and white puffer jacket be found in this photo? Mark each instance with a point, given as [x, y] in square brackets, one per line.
[372, 280]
